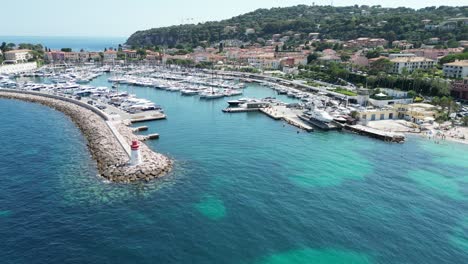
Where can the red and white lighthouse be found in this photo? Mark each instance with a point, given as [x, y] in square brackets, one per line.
[135, 157]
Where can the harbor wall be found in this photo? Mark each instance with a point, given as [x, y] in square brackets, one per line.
[111, 157]
[17, 68]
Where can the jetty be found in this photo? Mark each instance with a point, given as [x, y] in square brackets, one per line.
[374, 133]
[108, 140]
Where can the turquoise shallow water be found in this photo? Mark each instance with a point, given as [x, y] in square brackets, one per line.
[245, 189]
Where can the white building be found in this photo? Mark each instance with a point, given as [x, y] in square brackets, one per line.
[400, 55]
[110, 56]
[18, 55]
[411, 64]
[456, 69]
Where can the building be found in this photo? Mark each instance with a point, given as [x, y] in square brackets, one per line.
[314, 36]
[110, 56]
[18, 55]
[130, 54]
[401, 55]
[390, 97]
[456, 69]
[417, 113]
[459, 89]
[367, 43]
[434, 54]
[249, 31]
[411, 64]
[72, 56]
[402, 44]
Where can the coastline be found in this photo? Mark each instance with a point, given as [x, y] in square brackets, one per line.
[105, 147]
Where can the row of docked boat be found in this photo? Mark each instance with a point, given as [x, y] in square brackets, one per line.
[187, 87]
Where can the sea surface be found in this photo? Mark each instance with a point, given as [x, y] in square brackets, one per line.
[245, 189]
[75, 43]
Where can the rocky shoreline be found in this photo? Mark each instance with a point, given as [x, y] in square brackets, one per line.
[111, 157]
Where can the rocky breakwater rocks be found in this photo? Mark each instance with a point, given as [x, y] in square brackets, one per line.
[112, 160]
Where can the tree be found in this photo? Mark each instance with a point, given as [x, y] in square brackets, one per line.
[221, 47]
[66, 49]
[453, 43]
[381, 65]
[3, 47]
[276, 48]
[141, 53]
[373, 54]
[312, 57]
[412, 94]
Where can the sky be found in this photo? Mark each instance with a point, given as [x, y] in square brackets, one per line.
[121, 18]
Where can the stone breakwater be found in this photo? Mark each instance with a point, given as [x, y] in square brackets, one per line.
[112, 159]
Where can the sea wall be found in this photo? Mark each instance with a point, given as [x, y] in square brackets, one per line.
[112, 159]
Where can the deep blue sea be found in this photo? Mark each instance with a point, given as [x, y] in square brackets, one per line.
[75, 43]
[245, 189]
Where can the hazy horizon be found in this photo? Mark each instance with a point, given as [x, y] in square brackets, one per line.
[108, 19]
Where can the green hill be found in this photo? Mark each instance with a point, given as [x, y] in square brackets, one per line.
[332, 22]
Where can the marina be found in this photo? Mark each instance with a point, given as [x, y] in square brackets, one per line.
[305, 110]
[236, 132]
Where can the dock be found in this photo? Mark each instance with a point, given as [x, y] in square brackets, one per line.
[276, 112]
[147, 117]
[239, 109]
[321, 125]
[148, 137]
[374, 133]
[142, 128]
[295, 121]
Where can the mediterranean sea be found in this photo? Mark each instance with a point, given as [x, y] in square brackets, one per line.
[245, 189]
[75, 43]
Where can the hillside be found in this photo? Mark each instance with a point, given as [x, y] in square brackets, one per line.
[332, 22]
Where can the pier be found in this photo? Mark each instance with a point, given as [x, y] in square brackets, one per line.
[374, 133]
[276, 112]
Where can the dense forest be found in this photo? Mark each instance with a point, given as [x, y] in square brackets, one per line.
[331, 22]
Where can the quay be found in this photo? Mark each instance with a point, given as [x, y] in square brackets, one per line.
[276, 112]
[148, 117]
[324, 126]
[108, 140]
[298, 123]
[148, 137]
[289, 115]
[374, 133]
[239, 110]
[142, 128]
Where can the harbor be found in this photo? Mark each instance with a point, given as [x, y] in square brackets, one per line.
[305, 109]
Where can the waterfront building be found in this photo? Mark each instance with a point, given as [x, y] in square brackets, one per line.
[110, 56]
[456, 69]
[411, 64]
[130, 54]
[72, 56]
[417, 113]
[388, 97]
[22, 55]
[459, 89]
